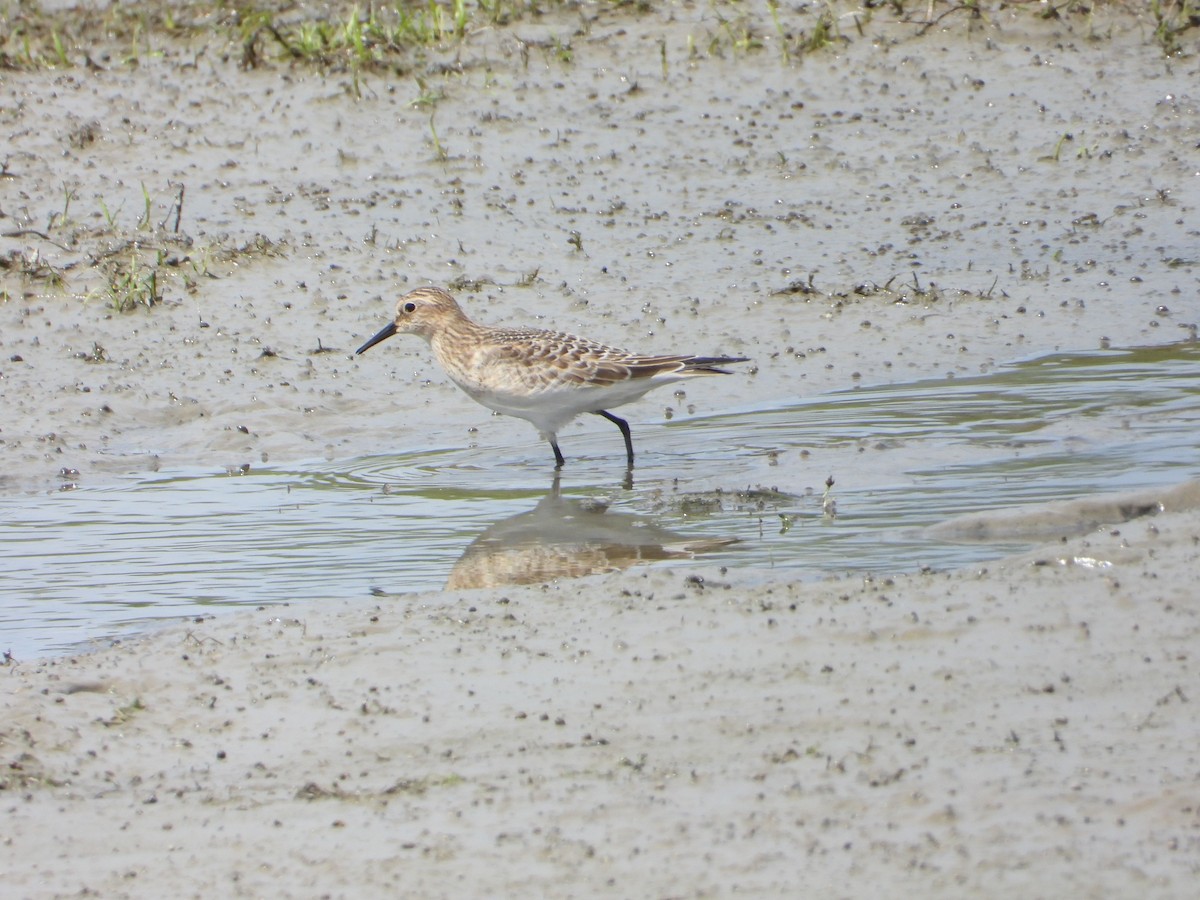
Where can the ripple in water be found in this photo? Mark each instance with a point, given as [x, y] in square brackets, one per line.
[95, 561]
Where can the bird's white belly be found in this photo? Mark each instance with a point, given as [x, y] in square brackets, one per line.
[551, 407]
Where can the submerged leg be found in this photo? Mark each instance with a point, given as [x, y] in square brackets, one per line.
[624, 426]
[558, 457]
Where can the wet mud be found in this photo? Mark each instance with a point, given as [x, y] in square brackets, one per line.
[194, 235]
[908, 204]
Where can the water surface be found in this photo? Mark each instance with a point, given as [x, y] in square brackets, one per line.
[87, 564]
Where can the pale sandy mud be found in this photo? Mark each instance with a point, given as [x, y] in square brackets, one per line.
[1024, 728]
[907, 205]
[923, 185]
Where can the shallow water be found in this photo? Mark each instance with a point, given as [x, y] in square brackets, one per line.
[92, 562]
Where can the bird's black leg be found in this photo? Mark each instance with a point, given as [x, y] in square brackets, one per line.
[624, 426]
[558, 457]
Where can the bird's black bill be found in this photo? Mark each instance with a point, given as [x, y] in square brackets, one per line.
[384, 333]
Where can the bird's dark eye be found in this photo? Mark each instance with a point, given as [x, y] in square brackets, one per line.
[410, 307]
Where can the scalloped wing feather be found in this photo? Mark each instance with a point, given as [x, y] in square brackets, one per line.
[544, 359]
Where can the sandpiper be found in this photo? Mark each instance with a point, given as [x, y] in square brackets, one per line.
[545, 377]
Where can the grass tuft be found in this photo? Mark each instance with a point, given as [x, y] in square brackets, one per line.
[395, 36]
[1172, 18]
[133, 285]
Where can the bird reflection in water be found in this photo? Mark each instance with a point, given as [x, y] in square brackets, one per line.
[568, 538]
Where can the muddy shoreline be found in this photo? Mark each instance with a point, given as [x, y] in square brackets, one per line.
[912, 206]
[908, 203]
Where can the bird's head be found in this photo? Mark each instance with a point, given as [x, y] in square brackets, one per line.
[418, 312]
